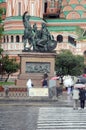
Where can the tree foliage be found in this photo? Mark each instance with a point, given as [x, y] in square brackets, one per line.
[1, 50]
[69, 64]
[9, 66]
[81, 33]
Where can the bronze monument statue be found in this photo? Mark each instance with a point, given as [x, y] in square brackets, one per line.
[40, 40]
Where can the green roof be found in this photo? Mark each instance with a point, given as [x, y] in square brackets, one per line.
[20, 18]
[66, 20]
[47, 20]
[14, 18]
[13, 32]
[51, 28]
[62, 28]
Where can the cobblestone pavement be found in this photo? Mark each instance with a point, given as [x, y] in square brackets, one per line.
[18, 118]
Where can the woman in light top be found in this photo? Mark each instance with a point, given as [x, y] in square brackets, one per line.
[29, 84]
[75, 98]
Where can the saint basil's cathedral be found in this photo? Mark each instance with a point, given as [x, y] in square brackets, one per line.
[63, 18]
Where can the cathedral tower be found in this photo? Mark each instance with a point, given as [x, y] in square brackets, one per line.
[18, 7]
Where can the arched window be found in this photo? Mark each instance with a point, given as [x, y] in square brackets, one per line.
[12, 39]
[17, 38]
[72, 40]
[4, 39]
[23, 38]
[59, 38]
[7, 39]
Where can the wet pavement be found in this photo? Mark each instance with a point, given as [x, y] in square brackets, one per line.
[41, 115]
[18, 118]
[41, 118]
[64, 118]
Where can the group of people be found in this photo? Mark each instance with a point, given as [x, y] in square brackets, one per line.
[79, 94]
[29, 83]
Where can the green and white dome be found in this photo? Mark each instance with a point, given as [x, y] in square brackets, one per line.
[73, 9]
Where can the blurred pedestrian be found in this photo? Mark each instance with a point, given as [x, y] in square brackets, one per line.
[45, 83]
[45, 75]
[29, 84]
[72, 88]
[69, 90]
[6, 91]
[82, 97]
[45, 80]
[75, 94]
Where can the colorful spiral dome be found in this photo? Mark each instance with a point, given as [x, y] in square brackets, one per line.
[73, 9]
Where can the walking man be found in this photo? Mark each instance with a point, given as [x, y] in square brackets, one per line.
[82, 98]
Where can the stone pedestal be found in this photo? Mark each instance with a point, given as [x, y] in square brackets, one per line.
[33, 65]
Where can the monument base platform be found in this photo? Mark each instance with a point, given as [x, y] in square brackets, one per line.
[33, 65]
